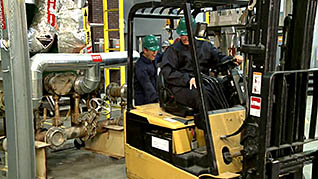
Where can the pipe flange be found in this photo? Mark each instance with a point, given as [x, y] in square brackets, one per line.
[56, 137]
[123, 92]
[113, 90]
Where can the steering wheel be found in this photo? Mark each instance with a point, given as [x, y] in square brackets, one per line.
[225, 65]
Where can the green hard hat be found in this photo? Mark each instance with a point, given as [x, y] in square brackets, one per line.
[182, 26]
[150, 42]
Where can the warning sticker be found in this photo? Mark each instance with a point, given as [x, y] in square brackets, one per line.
[255, 106]
[159, 143]
[2, 18]
[97, 58]
[89, 49]
[257, 83]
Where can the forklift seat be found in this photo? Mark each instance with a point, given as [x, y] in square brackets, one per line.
[168, 102]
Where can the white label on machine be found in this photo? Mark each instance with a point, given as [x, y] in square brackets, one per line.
[257, 83]
[161, 144]
[255, 106]
[169, 119]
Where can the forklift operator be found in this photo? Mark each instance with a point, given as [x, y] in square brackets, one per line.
[145, 80]
[178, 68]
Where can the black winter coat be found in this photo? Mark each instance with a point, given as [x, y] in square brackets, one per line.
[145, 81]
[177, 65]
[177, 68]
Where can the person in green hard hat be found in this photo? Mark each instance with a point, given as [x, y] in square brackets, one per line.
[182, 30]
[145, 80]
[177, 68]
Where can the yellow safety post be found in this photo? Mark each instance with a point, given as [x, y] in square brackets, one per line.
[122, 75]
[107, 48]
[120, 29]
[121, 38]
[207, 17]
[106, 35]
[107, 76]
[121, 26]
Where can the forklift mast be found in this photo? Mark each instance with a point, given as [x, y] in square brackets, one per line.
[274, 132]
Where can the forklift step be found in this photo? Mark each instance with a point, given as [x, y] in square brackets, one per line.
[189, 159]
[197, 170]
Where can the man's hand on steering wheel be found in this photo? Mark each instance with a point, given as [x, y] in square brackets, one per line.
[238, 59]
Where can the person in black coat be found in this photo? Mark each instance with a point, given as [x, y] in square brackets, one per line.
[177, 68]
[145, 79]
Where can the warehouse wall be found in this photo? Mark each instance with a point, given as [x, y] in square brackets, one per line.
[144, 27]
[113, 18]
[97, 17]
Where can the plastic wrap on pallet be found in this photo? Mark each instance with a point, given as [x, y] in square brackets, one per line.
[43, 30]
[71, 34]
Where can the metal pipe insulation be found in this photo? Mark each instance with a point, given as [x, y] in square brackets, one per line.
[89, 82]
[63, 62]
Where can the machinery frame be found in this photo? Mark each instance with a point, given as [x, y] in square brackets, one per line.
[273, 138]
[139, 11]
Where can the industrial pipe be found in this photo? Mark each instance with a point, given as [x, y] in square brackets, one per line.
[63, 62]
[57, 136]
[89, 82]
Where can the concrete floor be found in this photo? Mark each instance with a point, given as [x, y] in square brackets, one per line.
[72, 163]
[80, 164]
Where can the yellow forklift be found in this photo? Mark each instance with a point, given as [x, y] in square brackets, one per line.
[252, 141]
